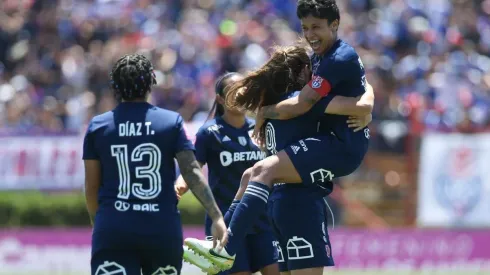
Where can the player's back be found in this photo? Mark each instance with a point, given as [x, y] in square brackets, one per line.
[136, 144]
[281, 133]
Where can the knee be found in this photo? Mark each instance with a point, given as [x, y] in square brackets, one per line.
[262, 172]
[246, 177]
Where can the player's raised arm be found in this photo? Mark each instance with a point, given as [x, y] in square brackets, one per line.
[325, 78]
[292, 107]
[337, 105]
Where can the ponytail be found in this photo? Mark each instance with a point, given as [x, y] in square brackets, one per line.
[217, 109]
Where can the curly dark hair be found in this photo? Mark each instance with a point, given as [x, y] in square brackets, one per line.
[132, 77]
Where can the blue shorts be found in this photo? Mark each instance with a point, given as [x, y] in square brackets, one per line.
[300, 227]
[137, 262]
[320, 159]
[135, 255]
[255, 252]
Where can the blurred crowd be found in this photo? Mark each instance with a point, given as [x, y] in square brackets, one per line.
[427, 60]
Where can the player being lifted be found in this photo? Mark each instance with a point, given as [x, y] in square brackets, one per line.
[297, 211]
[224, 144]
[287, 71]
[335, 151]
[129, 179]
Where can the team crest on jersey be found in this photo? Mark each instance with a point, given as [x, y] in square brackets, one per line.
[317, 82]
[242, 141]
[459, 184]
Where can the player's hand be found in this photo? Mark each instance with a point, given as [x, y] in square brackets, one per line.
[180, 189]
[220, 234]
[259, 121]
[359, 123]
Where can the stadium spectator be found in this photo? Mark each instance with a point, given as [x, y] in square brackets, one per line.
[427, 60]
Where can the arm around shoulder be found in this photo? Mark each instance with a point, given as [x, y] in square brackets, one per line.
[292, 107]
[352, 106]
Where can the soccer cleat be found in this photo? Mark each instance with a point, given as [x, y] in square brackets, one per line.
[220, 259]
[200, 262]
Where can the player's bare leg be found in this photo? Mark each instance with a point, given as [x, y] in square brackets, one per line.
[308, 271]
[272, 269]
[265, 170]
[275, 169]
[286, 273]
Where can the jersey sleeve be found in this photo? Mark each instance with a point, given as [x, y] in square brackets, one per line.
[320, 107]
[201, 146]
[183, 143]
[330, 73]
[89, 149]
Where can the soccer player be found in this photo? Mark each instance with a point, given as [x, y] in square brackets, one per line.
[224, 144]
[129, 179]
[313, 160]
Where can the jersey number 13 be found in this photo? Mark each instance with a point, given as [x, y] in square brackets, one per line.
[150, 172]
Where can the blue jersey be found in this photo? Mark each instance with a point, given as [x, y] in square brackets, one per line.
[228, 152]
[136, 144]
[340, 71]
[282, 133]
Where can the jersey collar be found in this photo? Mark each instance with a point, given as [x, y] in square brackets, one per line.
[334, 46]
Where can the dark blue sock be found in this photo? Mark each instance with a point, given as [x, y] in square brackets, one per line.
[251, 207]
[231, 210]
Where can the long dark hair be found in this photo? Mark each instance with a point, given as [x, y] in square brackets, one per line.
[220, 86]
[283, 73]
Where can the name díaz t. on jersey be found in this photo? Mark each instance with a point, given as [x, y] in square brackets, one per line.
[131, 129]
